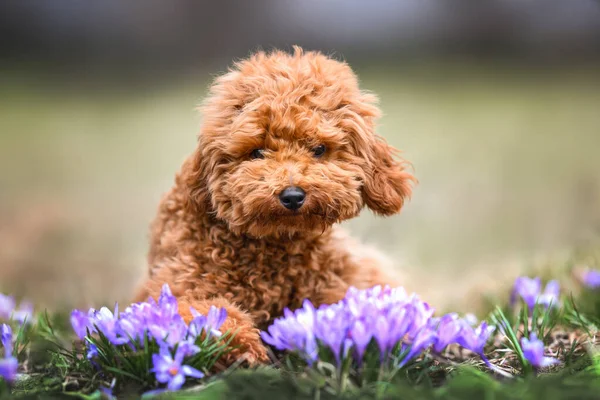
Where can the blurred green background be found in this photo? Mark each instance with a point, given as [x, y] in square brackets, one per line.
[496, 105]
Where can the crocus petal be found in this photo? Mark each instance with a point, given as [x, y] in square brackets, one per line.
[422, 341]
[197, 325]
[24, 313]
[176, 382]
[7, 306]
[163, 377]
[80, 322]
[551, 294]
[381, 333]
[6, 337]
[361, 337]
[216, 317]
[161, 363]
[92, 352]
[591, 279]
[448, 330]
[192, 372]
[8, 368]
[188, 348]
[165, 291]
[474, 339]
[533, 350]
[548, 361]
[528, 289]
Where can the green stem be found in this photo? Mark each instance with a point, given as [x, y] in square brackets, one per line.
[380, 389]
[343, 374]
[317, 395]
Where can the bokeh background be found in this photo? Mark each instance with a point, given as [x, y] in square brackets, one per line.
[496, 104]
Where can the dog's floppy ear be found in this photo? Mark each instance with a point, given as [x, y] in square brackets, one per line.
[387, 184]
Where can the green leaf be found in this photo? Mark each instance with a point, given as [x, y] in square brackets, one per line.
[510, 334]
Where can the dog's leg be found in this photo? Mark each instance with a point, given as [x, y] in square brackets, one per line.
[246, 341]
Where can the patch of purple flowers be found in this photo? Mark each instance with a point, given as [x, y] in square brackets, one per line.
[157, 321]
[388, 317]
[530, 290]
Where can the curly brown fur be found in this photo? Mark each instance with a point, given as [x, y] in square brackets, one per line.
[223, 238]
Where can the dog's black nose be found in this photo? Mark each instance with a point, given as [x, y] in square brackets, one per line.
[292, 198]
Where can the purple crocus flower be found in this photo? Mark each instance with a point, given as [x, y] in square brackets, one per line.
[211, 323]
[374, 300]
[361, 337]
[7, 306]
[448, 331]
[167, 302]
[331, 328]
[107, 322]
[528, 289]
[381, 333]
[401, 321]
[8, 364]
[551, 295]
[197, 325]
[423, 339]
[8, 368]
[533, 349]
[215, 318]
[591, 279]
[475, 339]
[169, 369]
[80, 323]
[92, 352]
[6, 336]
[24, 313]
[188, 348]
[130, 327]
[295, 332]
[171, 333]
[422, 314]
[134, 321]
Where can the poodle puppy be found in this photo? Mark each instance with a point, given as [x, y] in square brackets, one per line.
[287, 149]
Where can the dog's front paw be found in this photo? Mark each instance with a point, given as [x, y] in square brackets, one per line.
[246, 346]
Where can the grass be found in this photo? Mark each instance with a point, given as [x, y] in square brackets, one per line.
[53, 368]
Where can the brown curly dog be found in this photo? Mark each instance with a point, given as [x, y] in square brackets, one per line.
[287, 149]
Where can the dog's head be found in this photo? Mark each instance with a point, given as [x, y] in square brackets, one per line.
[288, 145]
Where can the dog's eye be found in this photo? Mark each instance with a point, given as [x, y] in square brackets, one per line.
[257, 153]
[319, 150]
